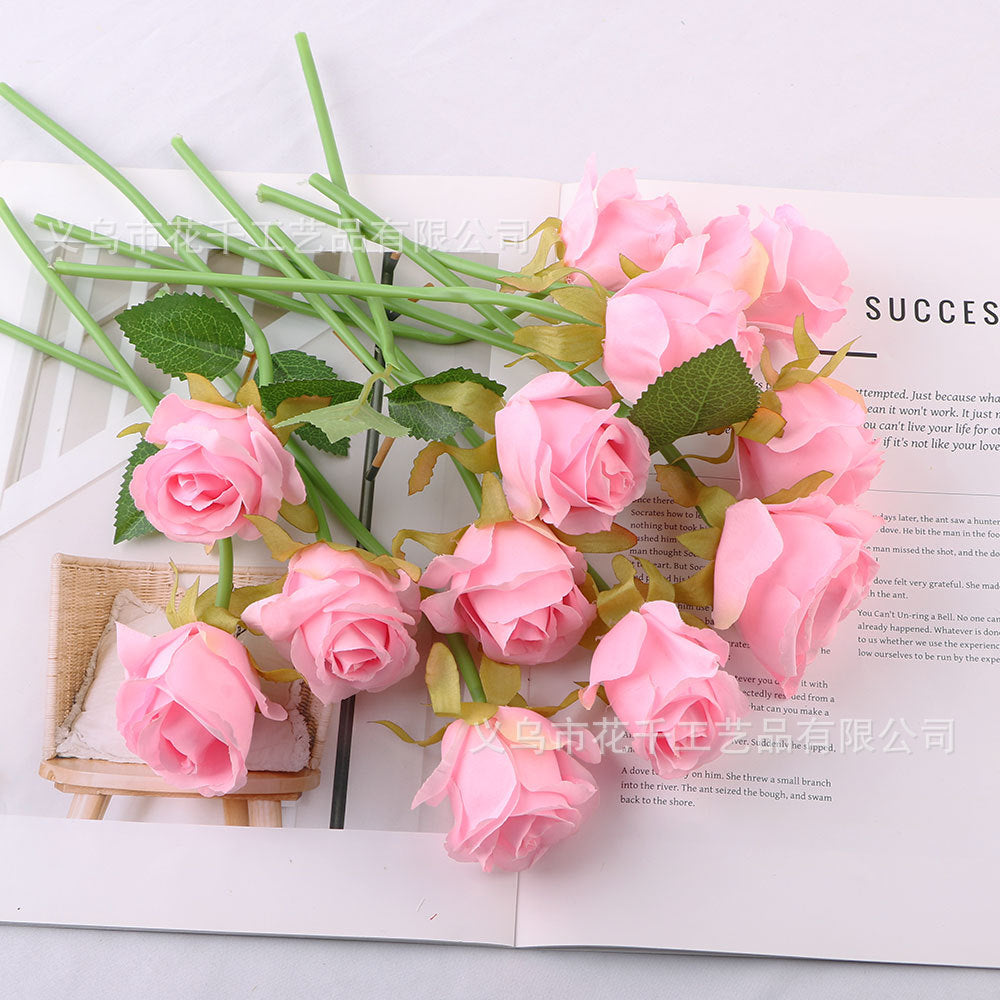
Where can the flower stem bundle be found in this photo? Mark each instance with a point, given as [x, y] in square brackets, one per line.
[651, 344]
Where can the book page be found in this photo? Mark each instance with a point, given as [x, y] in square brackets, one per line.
[62, 465]
[857, 819]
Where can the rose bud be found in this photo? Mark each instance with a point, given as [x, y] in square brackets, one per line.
[788, 574]
[186, 706]
[608, 220]
[805, 277]
[664, 680]
[515, 588]
[566, 457]
[665, 317]
[824, 430]
[219, 464]
[514, 786]
[345, 624]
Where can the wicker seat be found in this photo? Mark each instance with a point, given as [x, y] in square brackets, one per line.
[83, 591]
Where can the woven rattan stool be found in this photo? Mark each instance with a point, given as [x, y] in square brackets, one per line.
[83, 591]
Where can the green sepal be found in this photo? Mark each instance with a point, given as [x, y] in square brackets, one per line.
[702, 542]
[687, 490]
[243, 597]
[501, 681]
[481, 459]
[574, 342]
[444, 684]
[407, 738]
[438, 542]
[803, 488]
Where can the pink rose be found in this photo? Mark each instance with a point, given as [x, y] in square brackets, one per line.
[825, 431]
[345, 625]
[806, 276]
[664, 680]
[608, 218]
[514, 788]
[735, 252]
[665, 317]
[219, 464]
[788, 574]
[514, 587]
[186, 706]
[566, 458]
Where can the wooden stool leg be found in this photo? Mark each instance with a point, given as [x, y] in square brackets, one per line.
[264, 812]
[85, 806]
[235, 812]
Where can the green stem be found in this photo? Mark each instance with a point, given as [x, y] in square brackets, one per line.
[271, 257]
[481, 333]
[303, 266]
[463, 294]
[461, 330]
[224, 591]
[63, 354]
[225, 242]
[417, 253]
[222, 241]
[471, 268]
[395, 240]
[383, 332]
[316, 502]
[320, 109]
[337, 506]
[73, 304]
[167, 232]
[352, 313]
[309, 268]
[233, 244]
[466, 667]
[109, 243]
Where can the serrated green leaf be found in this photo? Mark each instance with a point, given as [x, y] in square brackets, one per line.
[182, 333]
[275, 393]
[291, 365]
[130, 522]
[314, 436]
[434, 421]
[299, 374]
[714, 389]
[347, 419]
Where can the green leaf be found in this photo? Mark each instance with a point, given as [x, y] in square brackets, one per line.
[299, 374]
[130, 522]
[714, 389]
[291, 365]
[347, 419]
[182, 333]
[434, 421]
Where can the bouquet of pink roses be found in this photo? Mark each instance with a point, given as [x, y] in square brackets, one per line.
[646, 334]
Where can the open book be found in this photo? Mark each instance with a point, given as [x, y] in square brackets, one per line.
[855, 820]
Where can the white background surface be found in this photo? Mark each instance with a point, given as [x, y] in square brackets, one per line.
[882, 97]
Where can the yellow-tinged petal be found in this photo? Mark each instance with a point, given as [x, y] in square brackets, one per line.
[501, 681]
[443, 681]
[438, 542]
[201, 389]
